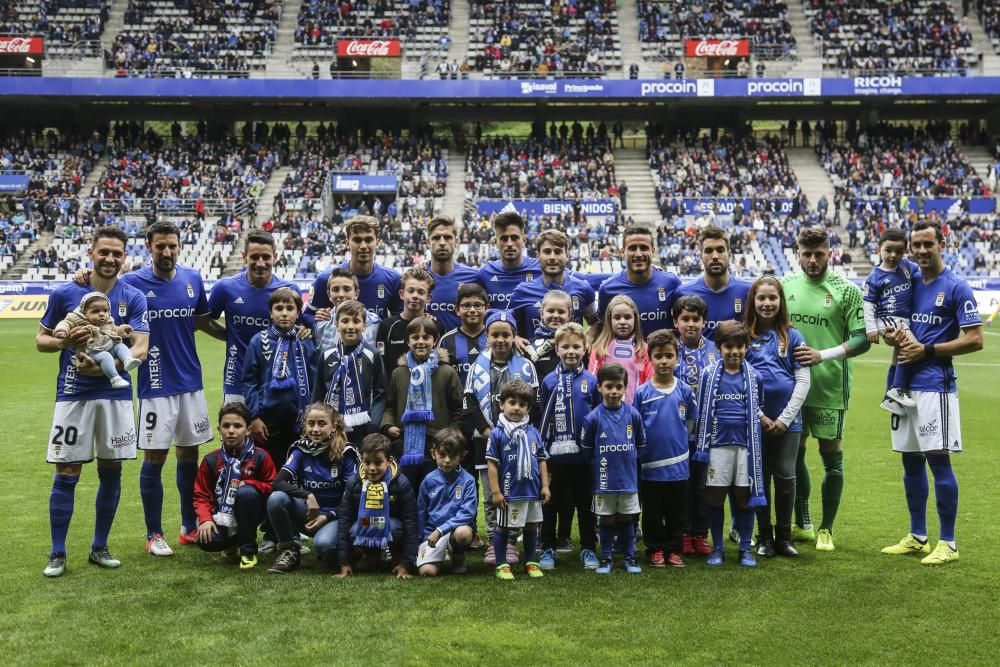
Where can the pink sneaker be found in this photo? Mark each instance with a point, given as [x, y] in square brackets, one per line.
[513, 557]
[491, 557]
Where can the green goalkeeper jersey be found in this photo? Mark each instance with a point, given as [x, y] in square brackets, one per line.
[827, 313]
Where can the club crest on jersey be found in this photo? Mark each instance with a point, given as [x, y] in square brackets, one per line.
[906, 273]
[583, 386]
[458, 492]
[939, 301]
[828, 301]
[528, 277]
[662, 294]
[682, 410]
[122, 309]
[576, 303]
[782, 349]
[381, 291]
[738, 305]
[628, 431]
[190, 291]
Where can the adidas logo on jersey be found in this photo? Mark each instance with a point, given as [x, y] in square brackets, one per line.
[151, 294]
[538, 304]
[494, 279]
[308, 469]
[604, 435]
[239, 299]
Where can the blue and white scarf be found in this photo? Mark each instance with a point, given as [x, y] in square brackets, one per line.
[289, 345]
[374, 528]
[517, 436]
[706, 406]
[419, 408]
[347, 393]
[559, 428]
[479, 383]
[225, 484]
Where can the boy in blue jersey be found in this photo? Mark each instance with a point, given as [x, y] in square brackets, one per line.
[730, 397]
[652, 290]
[446, 506]
[500, 277]
[516, 456]
[888, 302]
[526, 301]
[449, 276]
[670, 411]
[694, 355]
[566, 396]
[611, 439]
[378, 286]
[278, 373]
[91, 418]
[244, 299]
[725, 295]
[341, 286]
[945, 323]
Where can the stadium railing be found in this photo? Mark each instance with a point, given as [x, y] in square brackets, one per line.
[179, 206]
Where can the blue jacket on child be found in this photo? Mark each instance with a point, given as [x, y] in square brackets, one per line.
[446, 502]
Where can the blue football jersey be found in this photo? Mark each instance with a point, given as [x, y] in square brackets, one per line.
[941, 309]
[729, 423]
[891, 291]
[502, 450]
[173, 366]
[665, 414]
[612, 440]
[526, 302]
[445, 294]
[653, 299]
[247, 314]
[775, 364]
[379, 290]
[727, 304]
[500, 283]
[128, 306]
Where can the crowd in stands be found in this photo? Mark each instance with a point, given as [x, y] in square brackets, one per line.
[763, 22]
[901, 160]
[911, 36]
[47, 18]
[578, 36]
[194, 38]
[571, 164]
[323, 22]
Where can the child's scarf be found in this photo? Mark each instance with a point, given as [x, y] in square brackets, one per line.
[559, 427]
[517, 435]
[419, 408]
[374, 530]
[692, 361]
[706, 405]
[311, 447]
[225, 488]
[346, 393]
[479, 382]
[289, 345]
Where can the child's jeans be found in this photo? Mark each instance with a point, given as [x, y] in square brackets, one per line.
[106, 359]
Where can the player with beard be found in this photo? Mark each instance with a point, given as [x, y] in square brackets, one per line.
[500, 277]
[449, 275]
[724, 294]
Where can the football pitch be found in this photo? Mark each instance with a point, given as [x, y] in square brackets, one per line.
[850, 606]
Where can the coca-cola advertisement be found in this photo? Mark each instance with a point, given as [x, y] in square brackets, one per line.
[717, 48]
[369, 48]
[22, 46]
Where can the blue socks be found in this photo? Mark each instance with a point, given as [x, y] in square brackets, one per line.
[186, 473]
[530, 535]
[915, 485]
[607, 533]
[108, 492]
[716, 516]
[626, 533]
[500, 545]
[151, 490]
[744, 523]
[61, 510]
[946, 492]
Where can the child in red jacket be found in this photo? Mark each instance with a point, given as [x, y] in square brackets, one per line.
[231, 488]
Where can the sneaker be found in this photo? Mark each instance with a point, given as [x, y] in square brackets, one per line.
[533, 570]
[701, 545]
[892, 406]
[491, 557]
[513, 557]
[103, 558]
[632, 565]
[747, 559]
[824, 540]
[157, 546]
[267, 547]
[503, 573]
[803, 533]
[188, 539]
[548, 560]
[941, 555]
[232, 554]
[56, 566]
[901, 396]
[687, 546]
[118, 382]
[675, 560]
[604, 567]
[131, 364]
[248, 561]
[765, 548]
[564, 546]
[717, 557]
[458, 565]
[734, 536]
[908, 545]
[656, 559]
[287, 561]
[589, 559]
[785, 548]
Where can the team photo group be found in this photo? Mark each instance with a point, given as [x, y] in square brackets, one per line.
[395, 422]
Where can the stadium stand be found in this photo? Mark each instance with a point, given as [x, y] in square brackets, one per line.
[534, 38]
[916, 37]
[63, 23]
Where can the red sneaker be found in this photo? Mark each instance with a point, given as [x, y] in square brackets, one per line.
[701, 546]
[687, 546]
[675, 560]
[656, 560]
[188, 538]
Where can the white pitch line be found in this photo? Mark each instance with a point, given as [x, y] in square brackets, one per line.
[971, 364]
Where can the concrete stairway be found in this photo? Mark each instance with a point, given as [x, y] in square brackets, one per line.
[980, 158]
[279, 64]
[810, 60]
[458, 30]
[234, 263]
[813, 179]
[91, 180]
[980, 40]
[454, 188]
[23, 262]
[632, 167]
[628, 28]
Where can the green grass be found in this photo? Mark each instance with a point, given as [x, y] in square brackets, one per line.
[850, 606]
